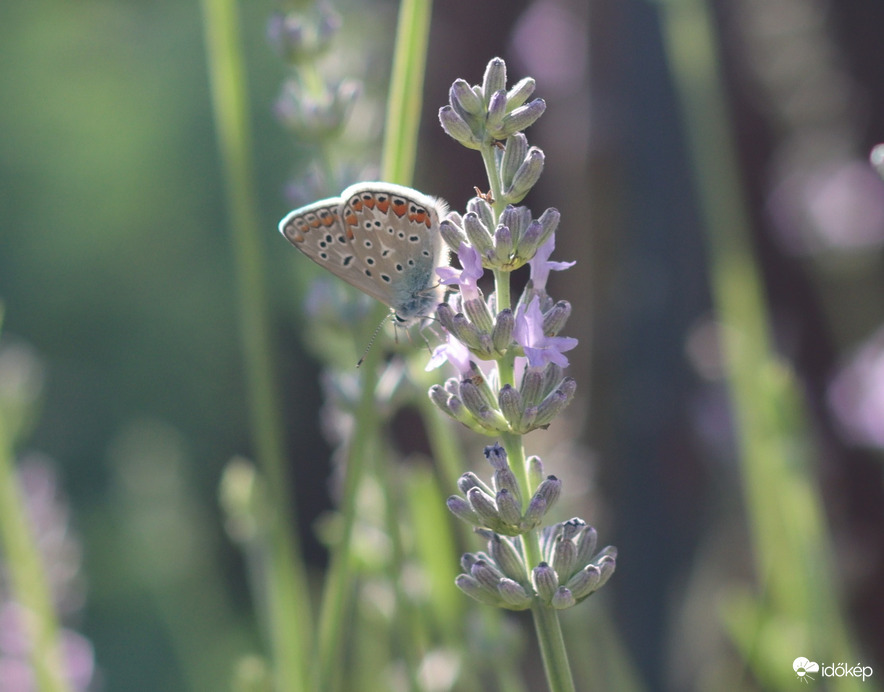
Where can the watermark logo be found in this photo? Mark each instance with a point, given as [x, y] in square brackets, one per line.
[803, 668]
[808, 670]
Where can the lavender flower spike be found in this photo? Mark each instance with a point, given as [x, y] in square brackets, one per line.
[470, 273]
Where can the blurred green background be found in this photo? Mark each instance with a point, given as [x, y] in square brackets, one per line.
[116, 270]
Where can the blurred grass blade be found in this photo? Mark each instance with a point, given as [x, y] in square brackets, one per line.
[287, 606]
[794, 561]
[24, 567]
[405, 98]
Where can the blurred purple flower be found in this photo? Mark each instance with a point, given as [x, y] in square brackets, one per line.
[539, 348]
[856, 394]
[466, 279]
[62, 555]
[835, 206]
[541, 266]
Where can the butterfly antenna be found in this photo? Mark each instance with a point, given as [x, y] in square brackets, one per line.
[374, 336]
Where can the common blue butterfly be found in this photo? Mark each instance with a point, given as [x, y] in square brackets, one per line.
[379, 237]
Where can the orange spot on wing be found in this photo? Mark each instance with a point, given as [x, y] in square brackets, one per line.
[400, 208]
[420, 217]
[384, 205]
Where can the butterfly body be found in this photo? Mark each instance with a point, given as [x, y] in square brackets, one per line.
[379, 237]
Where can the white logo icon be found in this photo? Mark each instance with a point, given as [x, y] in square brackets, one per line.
[803, 668]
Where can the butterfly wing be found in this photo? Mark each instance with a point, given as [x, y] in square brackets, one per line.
[395, 232]
[318, 231]
[381, 238]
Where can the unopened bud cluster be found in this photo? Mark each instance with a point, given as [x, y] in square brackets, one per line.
[539, 398]
[506, 244]
[315, 110]
[303, 35]
[569, 571]
[487, 112]
[499, 507]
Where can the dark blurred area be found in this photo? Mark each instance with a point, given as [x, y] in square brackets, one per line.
[116, 271]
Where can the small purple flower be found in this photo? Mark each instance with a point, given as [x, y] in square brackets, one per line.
[466, 279]
[454, 352]
[541, 266]
[539, 348]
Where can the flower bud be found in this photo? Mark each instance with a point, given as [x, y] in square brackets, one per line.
[607, 563]
[510, 402]
[520, 92]
[496, 113]
[513, 157]
[506, 557]
[462, 510]
[552, 377]
[471, 480]
[483, 211]
[586, 544]
[535, 470]
[584, 582]
[532, 386]
[564, 557]
[525, 178]
[513, 594]
[554, 320]
[451, 233]
[505, 479]
[494, 79]
[508, 510]
[502, 333]
[465, 332]
[483, 505]
[517, 219]
[471, 587]
[486, 574]
[457, 128]
[519, 119]
[562, 598]
[461, 94]
[479, 314]
[477, 233]
[526, 424]
[546, 581]
[503, 248]
[546, 495]
[553, 404]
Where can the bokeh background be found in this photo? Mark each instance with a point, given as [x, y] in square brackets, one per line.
[116, 274]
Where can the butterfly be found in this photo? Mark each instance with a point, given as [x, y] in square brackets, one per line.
[379, 237]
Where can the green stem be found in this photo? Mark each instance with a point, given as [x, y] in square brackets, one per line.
[546, 619]
[552, 648]
[490, 161]
[406, 91]
[27, 576]
[288, 610]
[338, 591]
